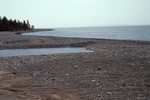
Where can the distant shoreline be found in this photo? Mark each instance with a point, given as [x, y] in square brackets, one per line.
[41, 29]
[34, 30]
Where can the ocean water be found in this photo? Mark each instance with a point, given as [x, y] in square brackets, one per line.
[117, 32]
[41, 51]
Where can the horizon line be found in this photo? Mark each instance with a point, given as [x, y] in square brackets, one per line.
[94, 26]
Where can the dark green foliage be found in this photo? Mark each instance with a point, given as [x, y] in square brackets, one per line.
[13, 25]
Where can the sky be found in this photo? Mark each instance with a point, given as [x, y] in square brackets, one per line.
[77, 13]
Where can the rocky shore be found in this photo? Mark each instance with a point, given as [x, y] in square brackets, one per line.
[116, 70]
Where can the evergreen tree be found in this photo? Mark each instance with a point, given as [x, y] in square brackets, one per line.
[10, 25]
[13, 25]
[0, 23]
[28, 24]
[4, 24]
[25, 26]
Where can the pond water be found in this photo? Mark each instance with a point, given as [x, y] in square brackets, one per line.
[41, 51]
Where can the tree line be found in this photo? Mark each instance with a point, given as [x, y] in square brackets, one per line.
[14, 25]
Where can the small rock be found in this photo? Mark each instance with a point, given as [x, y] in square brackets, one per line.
[109, 92]
[18, 33]
[123, 47]
[98, 69]
[56, 96]
[76, 66]
[67, 74]
[93, 80]
[123, 85]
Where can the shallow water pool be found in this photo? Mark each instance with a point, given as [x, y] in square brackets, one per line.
[41, 51]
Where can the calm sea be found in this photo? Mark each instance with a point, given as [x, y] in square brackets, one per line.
[116, 32]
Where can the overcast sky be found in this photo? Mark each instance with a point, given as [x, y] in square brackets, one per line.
[76, 13]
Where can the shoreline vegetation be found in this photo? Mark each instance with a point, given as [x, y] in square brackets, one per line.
[18, 26]
[14, 25]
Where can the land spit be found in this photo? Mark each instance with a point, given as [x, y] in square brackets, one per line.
[116, 70]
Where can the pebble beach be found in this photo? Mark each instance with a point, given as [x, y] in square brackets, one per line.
[115, 70]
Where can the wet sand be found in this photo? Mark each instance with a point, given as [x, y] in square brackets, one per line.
[116, 70]
[15, 87]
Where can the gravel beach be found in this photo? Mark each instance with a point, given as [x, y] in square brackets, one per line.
[116, 70]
